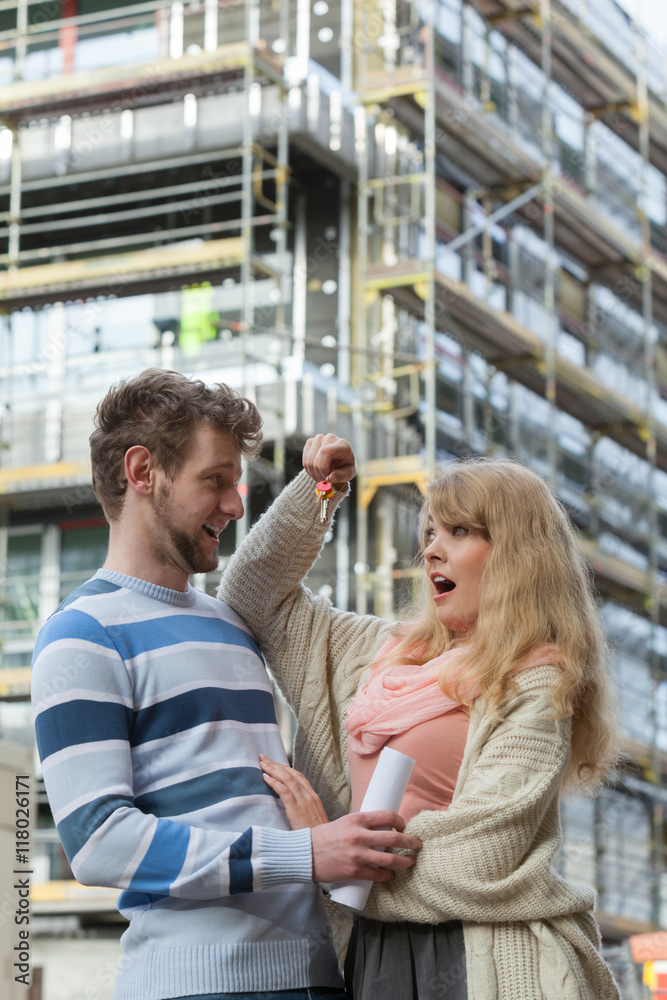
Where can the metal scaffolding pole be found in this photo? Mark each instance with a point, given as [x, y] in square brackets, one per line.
[471, 232]
[344, 283]
[361, 342]
[14, 248]
[247, 230]
[400, 227]
[651, 457]
[550, 268]
[21, 39]
[281, 231]
[429, 228]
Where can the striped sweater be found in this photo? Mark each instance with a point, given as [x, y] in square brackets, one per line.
[151, 707]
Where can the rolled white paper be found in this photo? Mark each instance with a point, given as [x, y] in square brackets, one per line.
[385, 791]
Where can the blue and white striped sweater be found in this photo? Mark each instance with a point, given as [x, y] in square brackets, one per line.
[151, 707]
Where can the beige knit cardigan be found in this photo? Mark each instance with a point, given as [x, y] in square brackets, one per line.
[487, 859]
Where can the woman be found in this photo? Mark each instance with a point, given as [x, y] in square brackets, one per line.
[499, 684]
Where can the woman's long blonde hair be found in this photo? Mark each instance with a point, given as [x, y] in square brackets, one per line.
[535, 590]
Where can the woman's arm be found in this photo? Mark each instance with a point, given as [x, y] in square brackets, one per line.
[300, 634]
[314, 650]
[263, 580]
[302, 803]
[488, 857]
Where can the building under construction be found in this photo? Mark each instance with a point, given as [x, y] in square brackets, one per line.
[435, 226]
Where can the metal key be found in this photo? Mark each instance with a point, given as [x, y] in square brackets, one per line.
[324, 492]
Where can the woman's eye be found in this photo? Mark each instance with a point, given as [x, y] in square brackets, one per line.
[459, 529]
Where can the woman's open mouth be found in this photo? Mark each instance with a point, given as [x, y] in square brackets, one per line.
[442, 585]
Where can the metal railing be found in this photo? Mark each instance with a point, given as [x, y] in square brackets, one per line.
[141, 32]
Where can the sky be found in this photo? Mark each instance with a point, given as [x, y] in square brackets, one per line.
[652, 14]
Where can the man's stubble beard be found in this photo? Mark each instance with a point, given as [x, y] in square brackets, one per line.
[175, 545]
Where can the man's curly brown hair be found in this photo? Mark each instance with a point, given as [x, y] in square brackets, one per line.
[159, 410]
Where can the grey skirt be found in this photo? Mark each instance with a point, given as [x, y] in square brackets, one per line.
[406, 961]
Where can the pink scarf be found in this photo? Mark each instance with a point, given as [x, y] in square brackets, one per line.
[397, 698]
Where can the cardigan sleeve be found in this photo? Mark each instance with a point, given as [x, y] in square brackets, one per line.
[488, 857]
[309, 645]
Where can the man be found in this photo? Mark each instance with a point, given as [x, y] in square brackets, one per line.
[152, 705]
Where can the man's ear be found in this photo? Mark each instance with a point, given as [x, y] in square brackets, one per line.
[140, 470]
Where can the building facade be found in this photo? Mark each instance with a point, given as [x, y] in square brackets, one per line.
[437, 226]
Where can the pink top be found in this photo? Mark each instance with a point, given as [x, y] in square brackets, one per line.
[404, 707]
[437, 746]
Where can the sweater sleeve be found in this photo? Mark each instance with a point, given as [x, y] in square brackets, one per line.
[83, 706]
[488, 857]
[306, 641]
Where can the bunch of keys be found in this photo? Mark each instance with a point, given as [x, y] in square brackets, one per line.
[324, 492]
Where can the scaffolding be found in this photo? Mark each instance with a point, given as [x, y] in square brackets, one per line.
[507, 186]
[494, 284]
